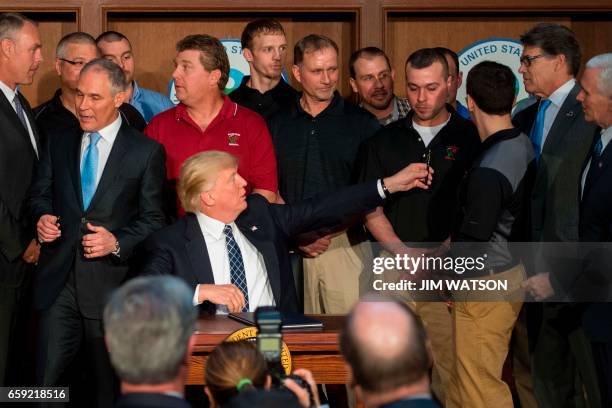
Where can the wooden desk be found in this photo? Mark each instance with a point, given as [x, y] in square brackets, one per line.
[317, 351]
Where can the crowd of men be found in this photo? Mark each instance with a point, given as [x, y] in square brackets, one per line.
[269, 196]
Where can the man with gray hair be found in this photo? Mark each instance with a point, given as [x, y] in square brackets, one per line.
[20, 57]
[89, 221]
[149, 324]
[595, 215]
[58, 115]
[386, 347]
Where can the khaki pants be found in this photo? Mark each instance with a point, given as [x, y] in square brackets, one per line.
[332, 279]
[481, 338]
[436, 318]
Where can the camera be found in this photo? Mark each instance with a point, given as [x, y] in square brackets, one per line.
[270, 342]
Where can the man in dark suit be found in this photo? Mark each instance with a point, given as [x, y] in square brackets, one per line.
[386, 348]
[95, 196]
[561, 139]
[232, 250]
[161, 326]
[596, 220]
[20, 57]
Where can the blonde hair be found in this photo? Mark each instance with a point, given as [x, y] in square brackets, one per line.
[199, 173]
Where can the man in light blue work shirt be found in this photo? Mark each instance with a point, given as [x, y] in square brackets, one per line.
[116, 47]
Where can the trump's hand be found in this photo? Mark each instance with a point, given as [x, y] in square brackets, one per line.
[228, 295]
[101, 243]
[48, 228]
[414, 175]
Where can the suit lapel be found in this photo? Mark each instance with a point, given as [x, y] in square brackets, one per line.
[197, 251]
[113, 165]
[7, 107]
[566, 115]
[31, 119]
[268, 251]
[74, 157]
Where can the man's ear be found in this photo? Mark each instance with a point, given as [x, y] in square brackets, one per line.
[296, 73]
[119, 98]
[471, 105]
[248, 55]
[353, 85]
[207, 199]
[215, 75]
[58, 64]
[459, 79]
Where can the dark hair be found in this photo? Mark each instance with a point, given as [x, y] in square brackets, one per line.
[212, 54]
[259, 26]
[376, 375]
[11, 22]
[426, 57]
[112, 36]
[77, 37]
[492, 86]
[310, 43]
[116, 76]
[229, 364]
[555, 39]
[366, 53]
[447, 52]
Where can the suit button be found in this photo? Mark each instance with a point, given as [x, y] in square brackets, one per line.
[83, 220]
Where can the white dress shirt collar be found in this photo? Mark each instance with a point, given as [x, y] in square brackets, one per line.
[8, 92]
[109, 132]
[212, 226]
[558, 97]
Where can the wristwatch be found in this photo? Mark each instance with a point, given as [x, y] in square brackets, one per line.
[117, 248]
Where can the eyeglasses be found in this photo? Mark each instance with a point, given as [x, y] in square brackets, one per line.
[73, 63]
[526, 60]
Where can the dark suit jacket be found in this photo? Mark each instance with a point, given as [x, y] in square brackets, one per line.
[17, 161]
[555, 197]
[180, 249]
[137, 400]
[127, 202]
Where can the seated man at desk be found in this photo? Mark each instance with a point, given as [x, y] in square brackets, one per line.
[233, 249]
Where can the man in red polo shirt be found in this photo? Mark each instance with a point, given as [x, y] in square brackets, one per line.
[206, 119]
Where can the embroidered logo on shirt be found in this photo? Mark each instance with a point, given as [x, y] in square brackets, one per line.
[451, 152]
[254, 228]
[233, 139]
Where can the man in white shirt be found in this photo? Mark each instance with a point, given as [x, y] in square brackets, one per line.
[96, 195]
[20, 57]
[232, 250]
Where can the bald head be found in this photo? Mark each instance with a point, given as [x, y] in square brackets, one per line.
[385, 345]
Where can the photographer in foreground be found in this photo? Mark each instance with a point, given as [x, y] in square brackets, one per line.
[238, 368]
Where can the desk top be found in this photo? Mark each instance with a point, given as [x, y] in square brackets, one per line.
[213, 329]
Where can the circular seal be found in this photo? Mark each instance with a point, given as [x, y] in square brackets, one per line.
[502, 50]
[250, 334]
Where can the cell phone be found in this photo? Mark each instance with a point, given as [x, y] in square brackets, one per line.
[427, 161]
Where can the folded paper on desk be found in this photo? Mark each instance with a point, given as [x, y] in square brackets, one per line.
[291, 321]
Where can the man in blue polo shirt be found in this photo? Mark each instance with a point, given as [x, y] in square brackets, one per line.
[116, 47]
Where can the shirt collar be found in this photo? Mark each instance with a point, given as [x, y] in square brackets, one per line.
[109, 132]
[606, 135]
[8, 92]
[211, 226]
[228, 110]
[500, 136]
[558, 97]
[336, 106]
[136, 91]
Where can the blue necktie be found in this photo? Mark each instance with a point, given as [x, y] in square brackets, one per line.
[237, 273]
[537, 131]
[594, 167]
[20, 111]
[89, 169]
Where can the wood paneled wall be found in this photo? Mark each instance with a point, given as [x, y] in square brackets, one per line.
[398, 26]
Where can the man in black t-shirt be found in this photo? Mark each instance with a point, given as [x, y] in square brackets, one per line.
[414, 223]
[264, 46]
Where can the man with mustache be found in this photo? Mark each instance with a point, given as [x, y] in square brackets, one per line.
[372, 79]
[415, 223]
